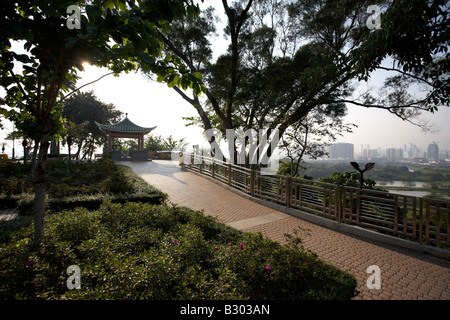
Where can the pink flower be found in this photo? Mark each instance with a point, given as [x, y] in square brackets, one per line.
[268, 267]
[242, 246]
[175, 242]
[29, 263]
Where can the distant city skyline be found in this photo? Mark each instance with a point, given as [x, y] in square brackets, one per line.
[410, 151]
[379, 128]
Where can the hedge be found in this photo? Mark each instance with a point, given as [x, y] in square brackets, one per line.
[74, 184]
[160, 252]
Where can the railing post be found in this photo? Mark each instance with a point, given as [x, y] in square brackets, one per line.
[396, 213]
[420, 220]
[438, 222]
[212, 169]
[448, 224]
[338, 203]
[358, 205]
[229, 174]
[427, 219]
[350, 210]
[414, 218]
[252, 182]
[288, 191]
[299, 187]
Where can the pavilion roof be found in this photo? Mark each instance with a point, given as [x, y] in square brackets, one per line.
[124, 126]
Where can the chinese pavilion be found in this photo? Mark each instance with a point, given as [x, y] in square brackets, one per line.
[126, 129]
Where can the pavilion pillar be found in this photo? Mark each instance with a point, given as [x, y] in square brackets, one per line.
[141, 143]
[109, 142]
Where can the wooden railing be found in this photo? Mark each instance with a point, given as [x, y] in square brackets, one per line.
[414, 218]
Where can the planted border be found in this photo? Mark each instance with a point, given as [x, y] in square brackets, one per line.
[142, 251]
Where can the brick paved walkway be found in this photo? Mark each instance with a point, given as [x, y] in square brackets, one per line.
[7, 214]
[404, 274]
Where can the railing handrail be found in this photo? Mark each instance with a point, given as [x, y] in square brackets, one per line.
[416, 218]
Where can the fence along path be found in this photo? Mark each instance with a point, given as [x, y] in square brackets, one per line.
[405, 274]
[420, 219]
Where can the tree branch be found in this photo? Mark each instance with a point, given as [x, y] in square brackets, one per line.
[407, 74]
[193, 69]
[84, 85]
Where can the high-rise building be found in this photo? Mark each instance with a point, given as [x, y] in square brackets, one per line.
[433, 151]
[342, 151]
[394, 154]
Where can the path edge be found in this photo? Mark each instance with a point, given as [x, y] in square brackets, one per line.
[336, 226]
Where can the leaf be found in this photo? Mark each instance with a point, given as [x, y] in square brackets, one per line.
[120, 5]
[173, 80]
[198, 75]
[93, 12]
[109, 4]
[161, 77]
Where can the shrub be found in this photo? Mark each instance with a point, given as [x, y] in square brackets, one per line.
[143, 251]
[76, 184]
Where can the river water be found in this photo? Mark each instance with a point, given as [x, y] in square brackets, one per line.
[398, 183]
[411, 184]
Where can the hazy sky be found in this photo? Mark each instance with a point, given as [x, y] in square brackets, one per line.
[149, 104]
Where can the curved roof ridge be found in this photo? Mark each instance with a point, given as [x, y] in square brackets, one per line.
[125, 125]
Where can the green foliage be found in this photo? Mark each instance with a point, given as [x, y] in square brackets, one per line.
[348, 178]
[415, 34]
[157, 143]
[143, 251]
[286, 167]
[81, 111]
[116, 34]
[73, 184]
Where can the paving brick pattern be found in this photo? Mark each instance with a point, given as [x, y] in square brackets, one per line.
[405, 274]
[7, 214]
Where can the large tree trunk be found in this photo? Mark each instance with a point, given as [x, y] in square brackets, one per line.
[39, 184]
[69, 144]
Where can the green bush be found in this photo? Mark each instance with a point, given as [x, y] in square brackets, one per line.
[143, 251]
[76, 184]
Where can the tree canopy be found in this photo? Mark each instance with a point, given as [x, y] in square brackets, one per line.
[116, 34]
[287, 58]
[80, 112]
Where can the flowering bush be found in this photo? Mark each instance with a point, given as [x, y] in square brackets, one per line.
[143, 251]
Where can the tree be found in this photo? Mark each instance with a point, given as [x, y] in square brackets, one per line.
[82, 110]
[116, 34]
[189, 42]
[415, 36]
[157, 143]
[74, 132]
[350, 179]
[313, 135]
[287, 58]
